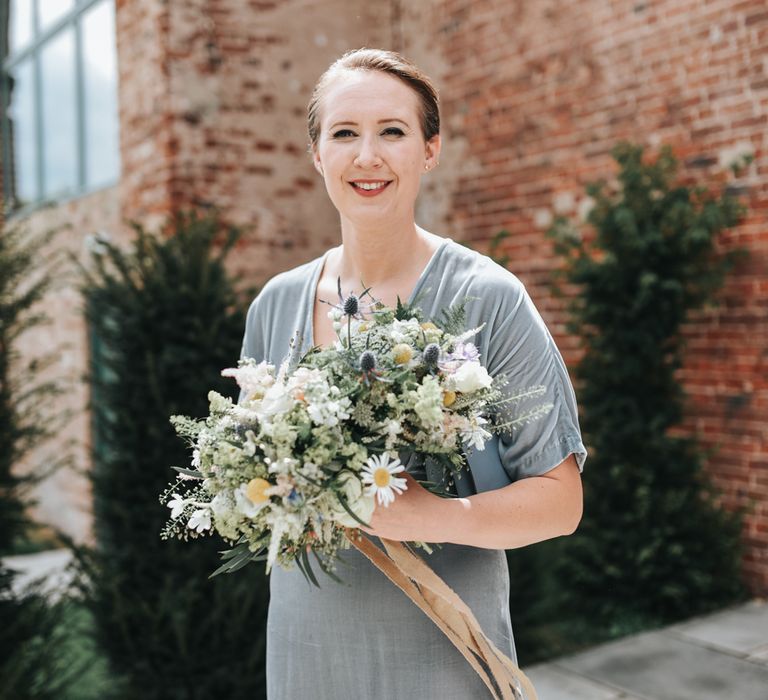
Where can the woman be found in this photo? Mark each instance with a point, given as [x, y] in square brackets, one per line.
[374, 132]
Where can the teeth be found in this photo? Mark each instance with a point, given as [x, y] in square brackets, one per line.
[370, 185]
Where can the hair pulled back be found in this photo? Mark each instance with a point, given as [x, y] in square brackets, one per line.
[384, 62]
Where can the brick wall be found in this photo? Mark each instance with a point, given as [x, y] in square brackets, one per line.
[142, 28]
[535, 95]
[63, 500]
[223, 122]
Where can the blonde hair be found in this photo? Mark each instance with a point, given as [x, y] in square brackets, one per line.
[386, 62]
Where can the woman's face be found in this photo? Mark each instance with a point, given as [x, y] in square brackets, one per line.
[371, 151]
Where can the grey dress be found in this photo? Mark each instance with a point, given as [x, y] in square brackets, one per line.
[365, 640]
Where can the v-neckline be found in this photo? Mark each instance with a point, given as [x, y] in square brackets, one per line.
[314, 282]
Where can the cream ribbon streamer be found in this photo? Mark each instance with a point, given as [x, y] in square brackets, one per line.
[450, 613]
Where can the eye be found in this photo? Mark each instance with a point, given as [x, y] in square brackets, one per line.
[393, 131]
[343, 133]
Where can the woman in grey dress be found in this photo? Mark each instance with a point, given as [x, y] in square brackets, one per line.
[374, 132]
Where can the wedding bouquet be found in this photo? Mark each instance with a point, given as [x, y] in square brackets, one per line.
[316, 442]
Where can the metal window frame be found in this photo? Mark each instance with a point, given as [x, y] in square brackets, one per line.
[32, 50]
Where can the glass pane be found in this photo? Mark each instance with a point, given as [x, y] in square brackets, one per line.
[102, 150]
[57, 61]
[21, 113]
[51, 10]
[21, 23]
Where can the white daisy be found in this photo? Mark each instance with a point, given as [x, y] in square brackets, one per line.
[378, 474]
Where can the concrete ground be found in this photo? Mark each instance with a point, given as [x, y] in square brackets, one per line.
[722, 656]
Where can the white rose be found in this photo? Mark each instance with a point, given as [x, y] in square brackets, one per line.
[360, 504]
[470, 377]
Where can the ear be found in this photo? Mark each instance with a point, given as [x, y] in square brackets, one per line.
[432, 151]
[316, 160]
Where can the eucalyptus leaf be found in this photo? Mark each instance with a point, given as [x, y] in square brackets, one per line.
[189, 472]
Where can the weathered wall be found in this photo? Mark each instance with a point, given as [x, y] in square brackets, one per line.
[63, 500]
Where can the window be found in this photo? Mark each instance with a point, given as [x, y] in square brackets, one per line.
[59, 91]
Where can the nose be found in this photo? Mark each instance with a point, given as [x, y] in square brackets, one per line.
[368, 154]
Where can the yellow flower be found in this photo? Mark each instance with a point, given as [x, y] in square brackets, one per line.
[255, 490]
[402, 353]
[362, 328]
[449, 398]
[429, 326]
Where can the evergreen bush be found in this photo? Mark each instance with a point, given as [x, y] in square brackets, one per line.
[43, 652]
[164, 320]
[33, 662]
[654, 545]
[27, 420]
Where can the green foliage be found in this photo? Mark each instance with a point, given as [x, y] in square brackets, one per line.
[164, 321]
[33, 664]
[44, 650]
[452, 319]
[26, 273]
[653, 546]
[30, 663]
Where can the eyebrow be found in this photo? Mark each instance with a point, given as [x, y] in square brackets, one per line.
[381, 121]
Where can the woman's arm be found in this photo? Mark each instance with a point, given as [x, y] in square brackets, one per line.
[529, 510]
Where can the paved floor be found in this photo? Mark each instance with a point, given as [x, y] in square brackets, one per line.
[715, 657]
[719, 656]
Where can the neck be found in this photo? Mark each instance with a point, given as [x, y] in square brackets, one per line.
[381, 256]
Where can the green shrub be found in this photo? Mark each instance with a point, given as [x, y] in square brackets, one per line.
[654, 546]
[164, 320]
[26, 274]
[32, 662]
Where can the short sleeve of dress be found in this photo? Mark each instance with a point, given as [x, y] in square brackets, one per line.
[521, 349]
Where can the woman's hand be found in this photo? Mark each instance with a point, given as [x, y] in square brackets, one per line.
[413, 516]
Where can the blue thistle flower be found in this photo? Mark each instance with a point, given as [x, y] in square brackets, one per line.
[367, 361]
[351, 305]
[431, 354]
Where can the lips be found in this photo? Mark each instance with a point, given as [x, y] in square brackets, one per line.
[369, 188]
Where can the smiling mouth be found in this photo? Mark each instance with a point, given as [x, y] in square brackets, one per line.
[370, 186]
